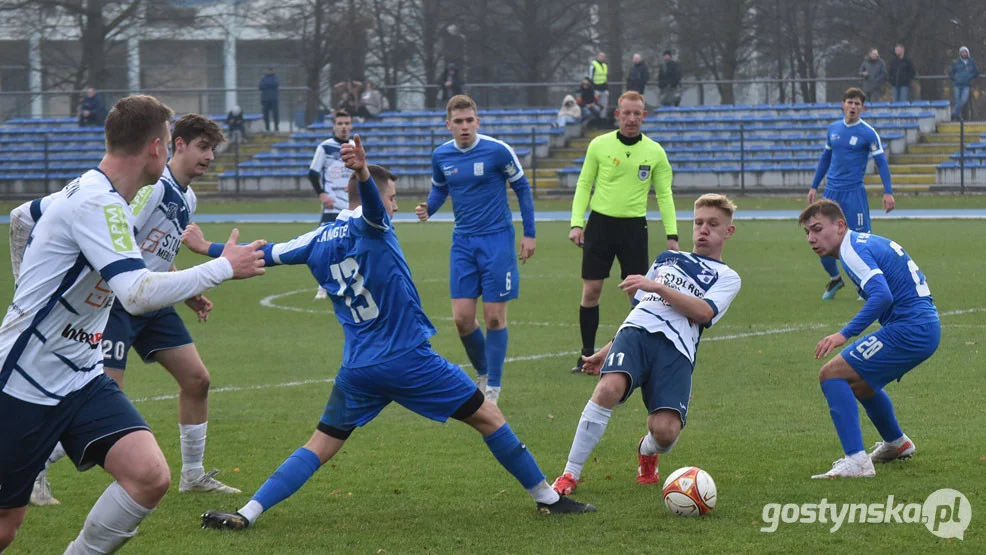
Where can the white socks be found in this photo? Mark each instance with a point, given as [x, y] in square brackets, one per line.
[192, 447]
[112, 521]
[56, 455]
[650, 446]
[542, 493]
[252, 510]
[590, 431]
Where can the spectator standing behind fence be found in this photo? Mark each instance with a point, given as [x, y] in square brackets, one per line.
[669, 81]
[901, 74]
[269, 99]
[92, 111]
[874, 73]
[962, 72]
[234, 124]
[599, 76]
[569, 112]
[637, 75]
[451, 82]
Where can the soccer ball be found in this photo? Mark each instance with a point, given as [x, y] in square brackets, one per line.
[689, 491]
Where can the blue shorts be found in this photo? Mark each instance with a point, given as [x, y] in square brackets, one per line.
[147, 333]
[892, 351]
[420, 380]
[854, 205]
[87, 422]
[652, 362]
[484, 265]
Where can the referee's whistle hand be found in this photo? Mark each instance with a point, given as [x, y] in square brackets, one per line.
[575, 236]
[421, 211]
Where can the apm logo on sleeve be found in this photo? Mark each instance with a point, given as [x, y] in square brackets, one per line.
[119, 228]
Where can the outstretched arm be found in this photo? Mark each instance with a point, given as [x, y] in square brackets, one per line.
[355, 158]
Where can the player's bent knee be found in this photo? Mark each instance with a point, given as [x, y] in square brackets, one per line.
[470, 407]
[10, 521]
[610, 389]
[196, 384]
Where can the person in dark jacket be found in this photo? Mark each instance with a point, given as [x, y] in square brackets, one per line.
[269, 99]
[235, 126]
[901, 74]
[874, 72]
[669, 81]
[637, 75]
[451, 82]
[962, 72]
[588, 100]
[92, 111]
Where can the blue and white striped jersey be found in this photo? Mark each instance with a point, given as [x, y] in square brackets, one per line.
[362, 267]
[692, 274]
[161, 213]
[475, 177]
[867, 257]
[50, 336]
[852, 146]
[334, 176]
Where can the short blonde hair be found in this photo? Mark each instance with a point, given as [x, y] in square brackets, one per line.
[460, 102]
[716, 200]
[631, 95]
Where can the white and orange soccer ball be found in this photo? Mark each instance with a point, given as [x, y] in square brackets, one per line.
[689, 491]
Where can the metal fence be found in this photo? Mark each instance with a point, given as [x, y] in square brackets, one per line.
[297, 106]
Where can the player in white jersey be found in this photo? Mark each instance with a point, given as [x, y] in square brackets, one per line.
[655, 348]
[161, 212]
[82, 256]
[328, 173]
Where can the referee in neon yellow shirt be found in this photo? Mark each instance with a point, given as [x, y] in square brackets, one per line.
[623, 164]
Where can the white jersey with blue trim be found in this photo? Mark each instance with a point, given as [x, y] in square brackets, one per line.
[50, 336]
[161, 213]
[333, 172]
[691, 274]
[865, 255]
[852, 146]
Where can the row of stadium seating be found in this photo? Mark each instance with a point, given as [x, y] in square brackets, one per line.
[697, 139]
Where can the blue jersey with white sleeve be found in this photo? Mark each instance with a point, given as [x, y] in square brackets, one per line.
[849, 147]
[359, 262]
[895, 289]
[475, 177]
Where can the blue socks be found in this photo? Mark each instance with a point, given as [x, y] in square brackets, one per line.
[496, 353]
[831, 266]
[288, 478]
[845, 414]
[515, 457]
[881, 413]
[475, 345]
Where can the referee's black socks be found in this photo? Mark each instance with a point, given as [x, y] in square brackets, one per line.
[588, 324]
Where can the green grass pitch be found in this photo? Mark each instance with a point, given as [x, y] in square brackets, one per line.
[758, 422]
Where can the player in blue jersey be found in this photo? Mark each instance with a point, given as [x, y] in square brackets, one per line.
[387, 356]
[849, 144]
[475, 169]
[897, 294]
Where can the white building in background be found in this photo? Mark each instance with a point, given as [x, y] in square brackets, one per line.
[170, 46]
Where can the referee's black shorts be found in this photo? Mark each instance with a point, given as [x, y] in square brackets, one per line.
[606, 238]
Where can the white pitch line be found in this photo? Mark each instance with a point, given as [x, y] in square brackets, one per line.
[230, 388]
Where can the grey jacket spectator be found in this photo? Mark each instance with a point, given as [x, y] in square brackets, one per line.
[268, 86]
[874, 73]
[901, 71]
[371, 102]
[638, 75]
[964, 69]
[451, 82]
[92, 111]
